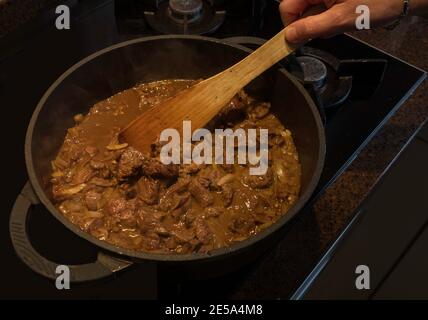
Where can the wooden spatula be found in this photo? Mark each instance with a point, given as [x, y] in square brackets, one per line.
[203, 101]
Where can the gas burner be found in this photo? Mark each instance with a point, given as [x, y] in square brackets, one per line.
[317, 70]
[331, 80]
[311, 71]
[185, 11]
[185, 17]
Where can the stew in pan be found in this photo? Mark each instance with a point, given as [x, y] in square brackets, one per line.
[134, 201]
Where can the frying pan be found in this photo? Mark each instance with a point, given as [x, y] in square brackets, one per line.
[117, 68]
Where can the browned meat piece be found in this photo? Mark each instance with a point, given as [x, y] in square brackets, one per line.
[262, 217]
[129, 163]
[189, 169]
[170, 243]
[227, 192]
[170, 202]
[82, 175]
[97, 165]
[203, 231]
[241, 225]
[123, 209]
[72, 153]
[201, 194]
[103, 182]
[161, 231]
[121, 239]
[275, 140]
[155, 168]
[114, 207]
[235, 110]
[148, 219]
[188, 219]
[229, 168]
[209, 178]
[148, 190]
[98, 229]
[152, 241]
[92, 199]
[259, 182]
[259, 111]
[182, 233]
[180, 186]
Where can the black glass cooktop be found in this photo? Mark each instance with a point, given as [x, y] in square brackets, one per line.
[26, 73]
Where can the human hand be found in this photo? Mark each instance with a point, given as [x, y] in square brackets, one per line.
[340, 16]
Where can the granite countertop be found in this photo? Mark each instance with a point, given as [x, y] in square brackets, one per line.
[13, 13]
[409, 43]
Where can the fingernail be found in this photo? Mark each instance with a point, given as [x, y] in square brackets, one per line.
[291, 34]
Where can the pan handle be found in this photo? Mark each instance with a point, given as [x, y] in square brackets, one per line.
[104, 266]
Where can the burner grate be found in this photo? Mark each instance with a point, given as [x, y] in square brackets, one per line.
[185, 17]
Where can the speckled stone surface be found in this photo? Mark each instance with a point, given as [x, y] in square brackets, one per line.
[14, 13]
[409, 41]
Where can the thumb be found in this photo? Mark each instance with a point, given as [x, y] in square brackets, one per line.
[335, 20]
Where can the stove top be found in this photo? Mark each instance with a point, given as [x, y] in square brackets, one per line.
[354, 84]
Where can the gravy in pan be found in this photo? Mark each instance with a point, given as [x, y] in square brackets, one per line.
[132, 200]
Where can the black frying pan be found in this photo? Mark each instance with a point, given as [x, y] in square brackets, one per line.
[122, 66]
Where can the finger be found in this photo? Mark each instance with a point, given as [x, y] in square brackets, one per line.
[291, 9]
[335, 20]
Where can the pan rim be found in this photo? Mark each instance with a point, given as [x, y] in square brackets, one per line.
[161, 257]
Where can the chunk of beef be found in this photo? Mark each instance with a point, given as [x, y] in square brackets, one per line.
[200, 193]
[148, 219]
[148, 190]
[235, 110]
[180, 186]
[161, 231]
[92, 200]
[229, 168]
[209, 178]
[155, 168]
[123, 209]
[259, 181]
[71, 152]
[152, 241]
[97, 165]
[241, 225]
[82, 175]
[227, 192]
[129, 163]
[100, 182]
[171, 202]
[98, 229]
[275, 140]
[183, 234]
[190, 169]
[203, 231]
[259, 111]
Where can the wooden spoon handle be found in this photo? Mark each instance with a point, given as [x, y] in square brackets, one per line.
[274, 50]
